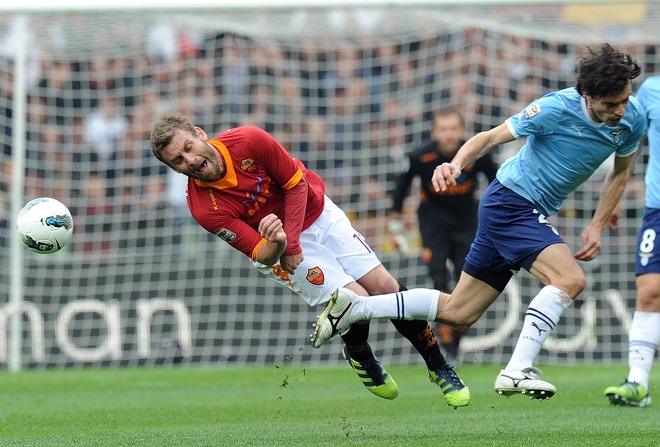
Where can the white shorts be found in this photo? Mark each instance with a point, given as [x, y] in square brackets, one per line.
[335, 254]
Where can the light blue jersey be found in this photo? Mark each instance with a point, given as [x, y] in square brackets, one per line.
[564, 147]
[649, 98]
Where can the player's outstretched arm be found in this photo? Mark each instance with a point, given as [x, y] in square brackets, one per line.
[476, 147]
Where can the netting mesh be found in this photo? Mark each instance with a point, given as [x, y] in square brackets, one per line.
[348, 92]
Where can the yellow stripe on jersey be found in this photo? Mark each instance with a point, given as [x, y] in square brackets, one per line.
[294, 180]
[255, 250]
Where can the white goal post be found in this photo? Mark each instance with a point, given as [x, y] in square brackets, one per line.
[348, 87]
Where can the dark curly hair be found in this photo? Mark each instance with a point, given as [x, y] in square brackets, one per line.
[605, 72]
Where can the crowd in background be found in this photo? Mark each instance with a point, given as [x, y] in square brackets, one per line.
[348, 109]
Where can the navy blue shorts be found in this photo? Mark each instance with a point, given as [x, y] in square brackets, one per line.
[648, 246]
[511, 234]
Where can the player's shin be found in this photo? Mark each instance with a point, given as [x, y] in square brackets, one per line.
[643, 341]
[421, 336]
[542, 316]
[356, 341]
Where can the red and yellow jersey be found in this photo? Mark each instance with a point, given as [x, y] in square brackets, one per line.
[260, 174]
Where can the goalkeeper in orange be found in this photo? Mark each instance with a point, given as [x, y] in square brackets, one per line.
[245, 187]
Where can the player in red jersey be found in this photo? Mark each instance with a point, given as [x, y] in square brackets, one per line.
[244, 187]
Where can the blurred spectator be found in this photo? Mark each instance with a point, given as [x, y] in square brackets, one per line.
[84, 158]
[162, 42]
[154, 213]
[56, 88]
[5, 189]
[6, 106]
[345, 138]
[56, 161]
[9, 47]
[174, 184]
[233, 76]
[101, 74]
[104, 127]
[37, 119]
[344, 67]
[95, 215]
[289, 104]
[314, 148]
[260, 111]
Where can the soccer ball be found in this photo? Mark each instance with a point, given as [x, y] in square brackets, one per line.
[44, 225]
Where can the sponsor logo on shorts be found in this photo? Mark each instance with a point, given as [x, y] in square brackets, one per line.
[315, 276]
[531, 110]
[226, 235]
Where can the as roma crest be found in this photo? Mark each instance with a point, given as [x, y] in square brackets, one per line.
[315, 276]
[248, 165]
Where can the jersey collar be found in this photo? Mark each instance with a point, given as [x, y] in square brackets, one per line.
[229, 180]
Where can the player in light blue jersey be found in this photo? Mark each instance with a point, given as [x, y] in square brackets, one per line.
[564, 147]
[569, 134]
[644, 334]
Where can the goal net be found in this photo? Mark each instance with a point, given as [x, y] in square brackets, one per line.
[347, 90]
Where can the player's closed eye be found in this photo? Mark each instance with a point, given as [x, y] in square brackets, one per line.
[612, 105]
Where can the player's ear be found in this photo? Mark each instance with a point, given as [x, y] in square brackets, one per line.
[589, 101]
[200, 133]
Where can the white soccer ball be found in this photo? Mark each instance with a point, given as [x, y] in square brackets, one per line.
[44, 225]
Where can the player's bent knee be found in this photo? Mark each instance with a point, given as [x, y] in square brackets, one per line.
[379, 281]
[571, 282]
[575, 284]
[461, 322]
[462, 326]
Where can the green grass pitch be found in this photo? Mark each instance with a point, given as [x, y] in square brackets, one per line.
[287, 405]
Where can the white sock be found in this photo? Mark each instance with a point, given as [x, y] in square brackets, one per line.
[413, 304]
[643, 340]
[540, 320]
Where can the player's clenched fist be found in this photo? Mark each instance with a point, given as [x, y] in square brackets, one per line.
[272, 229]
[445, 175]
